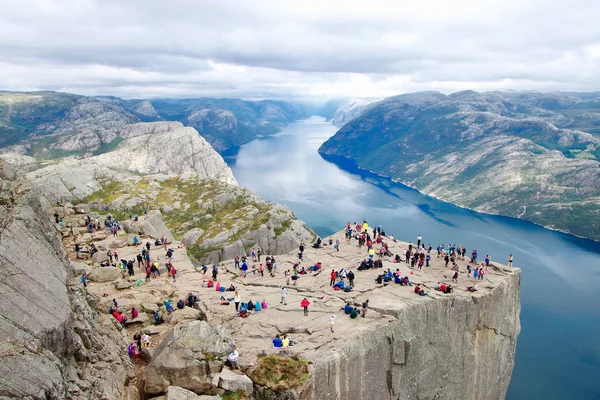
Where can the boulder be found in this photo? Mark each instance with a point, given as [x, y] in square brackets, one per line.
[85, 238]
[118, 242]
[105, 274]
[179, 393]
[152, 225]
[182, 357]
[100, 235]
[121, 284]
[186, 313]
[192, 236]
[141, 319]
[100, 256]
[149, 307]
[80, 268]
[232, 381]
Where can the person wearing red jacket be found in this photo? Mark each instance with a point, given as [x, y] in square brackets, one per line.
[304, 304]
[333, 276]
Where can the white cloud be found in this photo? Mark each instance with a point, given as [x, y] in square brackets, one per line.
[272, 48]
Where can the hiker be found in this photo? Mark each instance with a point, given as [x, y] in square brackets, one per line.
[332, 323]
[304, 304]
[233, 360]
[365, 305]
[84, 280]
[244, 269]
[333, 276]
[481, 273]
[420, 291]
[350, 278]
[134, 313]
[236, 262]
[215, 272]
[261, 270]
[317, 243]
[158, 319]
[510, 260]
[476, 273]
[353, 313]
[347, 308]
[253, 255]
[168, 306]
[173, 273]
[237, 300]
[419, 238]
[138, 340]
[258, 254]
[337, 244]
[191, 300]
[472, 288]
[145, 340]
[264, 304]
[277, 342]
[180, 304]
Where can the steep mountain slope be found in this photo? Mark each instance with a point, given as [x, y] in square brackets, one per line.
[49, 125]
[229, 122]
[338, 112]
[504, 153]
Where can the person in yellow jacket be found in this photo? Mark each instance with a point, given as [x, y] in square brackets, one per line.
[371, 252]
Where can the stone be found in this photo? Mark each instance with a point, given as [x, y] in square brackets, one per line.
[104, 274]
[149, 307]
[181, 358]
[179, 393]
[80, 268]
[122, 284]
[215, 366]
[232, 381]
[100, 256]
[192, 236]
[151, 225]
[99, 235]
[85, 238]
[142, 318]
[186, 313]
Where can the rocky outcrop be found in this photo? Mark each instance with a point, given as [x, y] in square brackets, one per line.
[152, 148]
[152, 225]
[54, 345]
[184, 357]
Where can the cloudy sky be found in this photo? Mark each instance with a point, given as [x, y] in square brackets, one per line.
[297, 49]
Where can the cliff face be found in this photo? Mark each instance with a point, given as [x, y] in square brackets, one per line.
[53, 345]
[452, 348]
[499, 153]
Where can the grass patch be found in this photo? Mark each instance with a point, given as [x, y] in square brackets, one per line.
[278, 372]
[237, 395]
[285, 225]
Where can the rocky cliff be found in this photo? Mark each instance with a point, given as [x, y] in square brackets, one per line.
[338, 112]
[527, 155]
[54, 344]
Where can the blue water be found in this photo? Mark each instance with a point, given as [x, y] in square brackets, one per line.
[558, 351]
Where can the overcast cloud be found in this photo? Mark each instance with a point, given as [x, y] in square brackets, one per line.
[297, 49]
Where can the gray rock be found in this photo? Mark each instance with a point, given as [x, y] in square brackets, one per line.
[122, 284]
[80, 268]
[142, 318]
[104, 274]
[181, 358]
[100, 235]
[232, 381]
[149, 307]
[152, 225]
[85, 238]
[100, 256]
[192, 236]
[179, 393]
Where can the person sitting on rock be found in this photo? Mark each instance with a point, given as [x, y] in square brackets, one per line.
[119, 317]
[473, 288]
[354, 313]
[317, 243]
[263, 304]
[233, 359]
[250, 305]
[277, 342]
[145, 340]
[191, 300]
[420, 291]
[347, 308]
[134, 313]
[158, 319]
[168, 306]
[180, 304]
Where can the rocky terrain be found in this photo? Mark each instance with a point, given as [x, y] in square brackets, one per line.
[528, 155]
[50, 125]
[458, 345]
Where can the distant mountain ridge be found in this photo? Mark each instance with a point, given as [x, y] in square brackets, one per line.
[49, 125]
[529, 155]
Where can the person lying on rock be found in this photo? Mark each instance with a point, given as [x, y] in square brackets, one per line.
[473, 288]
[420, 291]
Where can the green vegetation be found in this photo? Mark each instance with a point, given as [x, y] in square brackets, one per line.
[285, 225]
[237, 395]
[278, 372]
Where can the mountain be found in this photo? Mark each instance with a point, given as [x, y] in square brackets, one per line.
[229, 122]
[528, 155]
[49, 125]
[340, 111]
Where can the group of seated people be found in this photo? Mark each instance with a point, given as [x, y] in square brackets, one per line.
[443, 287]
[390, 276]
[351, 311]
[282, 341]
[370, 263]
[250, 306]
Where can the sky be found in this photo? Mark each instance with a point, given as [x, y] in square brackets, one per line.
[297, 49]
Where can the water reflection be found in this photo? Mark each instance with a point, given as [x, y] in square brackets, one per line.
[558, 350]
